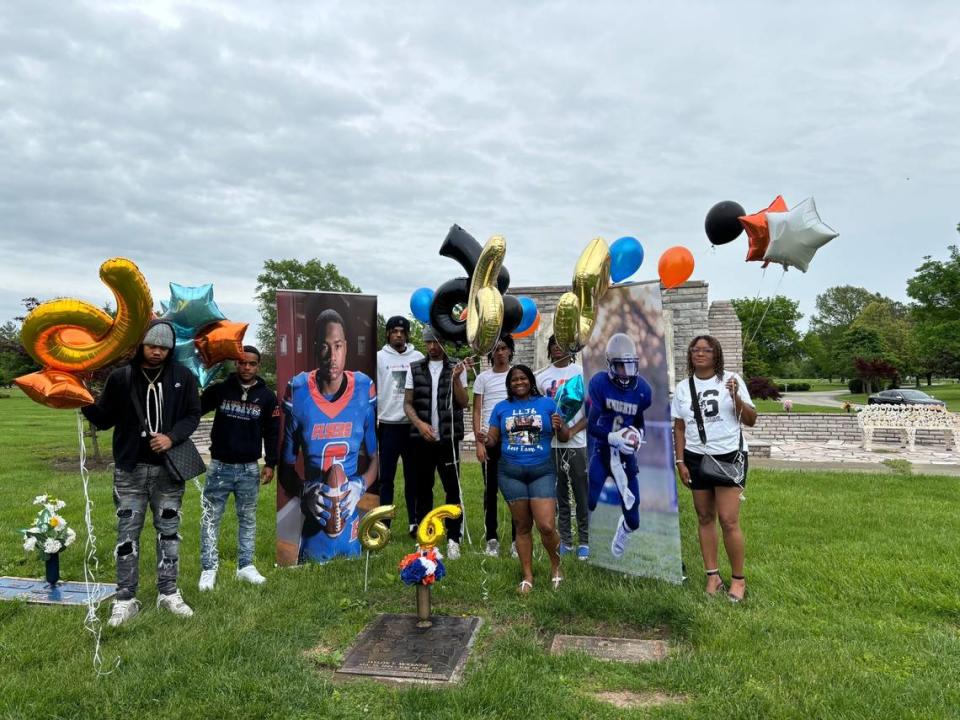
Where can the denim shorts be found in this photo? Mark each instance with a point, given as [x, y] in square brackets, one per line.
[528, 482]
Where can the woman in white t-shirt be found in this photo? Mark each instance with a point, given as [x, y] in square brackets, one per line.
[724, 404]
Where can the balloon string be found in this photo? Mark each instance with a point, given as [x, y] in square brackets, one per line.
[366, 572]
[456, 463]
[756, 302]
[206, 522]
[91, 564]
[769, 303]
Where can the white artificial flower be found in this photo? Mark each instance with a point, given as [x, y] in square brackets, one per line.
[39, 499]
[51, 546]
[71, 536]
[30, 543]
[57, 522]
[59, 505]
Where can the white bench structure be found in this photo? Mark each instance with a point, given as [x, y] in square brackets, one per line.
[909, 419]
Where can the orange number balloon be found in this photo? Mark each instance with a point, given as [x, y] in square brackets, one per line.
[74, 336]
[676, 266]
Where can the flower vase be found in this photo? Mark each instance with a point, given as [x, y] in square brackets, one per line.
[53, 569]
[423, 606]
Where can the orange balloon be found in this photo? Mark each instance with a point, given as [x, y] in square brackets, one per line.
[675, 266]
[758, 232]
[55, 388]
[221, 341]
[530, 330]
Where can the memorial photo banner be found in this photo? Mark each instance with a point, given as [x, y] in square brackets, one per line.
[634, 520]
[326, 363]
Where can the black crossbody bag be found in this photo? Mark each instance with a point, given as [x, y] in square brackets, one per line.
[183, 460]
[710, 467]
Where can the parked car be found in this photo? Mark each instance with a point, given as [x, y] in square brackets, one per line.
[902, 397]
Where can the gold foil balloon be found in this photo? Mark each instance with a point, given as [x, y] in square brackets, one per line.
[431, 531]
[591, 278]
[566, 322]
[74, 336]
[374, 534]
[484, 301]
[55, 388]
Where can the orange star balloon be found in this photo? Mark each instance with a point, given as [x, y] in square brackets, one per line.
[221, 341]
[55, 388]
[758, 232]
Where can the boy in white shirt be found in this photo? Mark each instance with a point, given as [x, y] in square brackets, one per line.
[489, 388]
[571, 456]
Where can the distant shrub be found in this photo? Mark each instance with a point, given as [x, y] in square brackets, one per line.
[797, 387]
[855, 386]
[763, 388]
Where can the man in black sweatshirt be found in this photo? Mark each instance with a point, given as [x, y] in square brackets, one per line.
[167, 395]
[246, 426]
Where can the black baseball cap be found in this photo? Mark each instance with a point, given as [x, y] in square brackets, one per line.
[398, 321]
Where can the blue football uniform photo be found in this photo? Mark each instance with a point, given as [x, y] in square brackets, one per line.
[330, 431]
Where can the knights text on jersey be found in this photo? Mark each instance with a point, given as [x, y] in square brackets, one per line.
[613, 407]
[329, 432]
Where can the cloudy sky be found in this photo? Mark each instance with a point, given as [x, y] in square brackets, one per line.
[201, 139]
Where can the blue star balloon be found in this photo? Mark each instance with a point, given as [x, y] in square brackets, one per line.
[191, 309]
[569, 398]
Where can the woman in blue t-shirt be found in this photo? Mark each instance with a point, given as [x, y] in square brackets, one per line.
[524, 425]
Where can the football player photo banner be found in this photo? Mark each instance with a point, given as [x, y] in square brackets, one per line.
[326, 362]
[632, 489]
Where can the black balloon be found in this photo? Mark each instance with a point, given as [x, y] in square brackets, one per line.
[512, 314]
[461, 246]
[723, 222]
[442, 319]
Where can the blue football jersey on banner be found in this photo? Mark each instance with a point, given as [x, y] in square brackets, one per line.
[326, 432]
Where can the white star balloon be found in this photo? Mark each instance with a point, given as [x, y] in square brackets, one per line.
[796, 235]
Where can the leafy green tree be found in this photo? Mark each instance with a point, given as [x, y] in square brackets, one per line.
[837, 309]
[892, 322]
[858, 343]
[935, 289]
[290, 275]
[817, 361]
[770, 337]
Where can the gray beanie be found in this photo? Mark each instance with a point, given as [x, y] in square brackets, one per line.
[429, 334]
[159, 334]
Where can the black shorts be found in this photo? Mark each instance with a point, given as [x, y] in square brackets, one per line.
[697, 482]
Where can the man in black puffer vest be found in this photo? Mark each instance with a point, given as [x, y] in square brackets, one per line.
[435, 396]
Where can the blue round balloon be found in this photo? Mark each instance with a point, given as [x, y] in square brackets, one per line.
[529, 308]
[420, 303]
[626, 257]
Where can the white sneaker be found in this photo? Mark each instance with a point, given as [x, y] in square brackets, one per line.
[175, 604]
[453, 550]
[513, 549]
[208, 578]
[493, 548]
[620, 538]
[122, 611]
[251, 575]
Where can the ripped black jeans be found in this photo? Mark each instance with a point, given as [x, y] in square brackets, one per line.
[132, 493]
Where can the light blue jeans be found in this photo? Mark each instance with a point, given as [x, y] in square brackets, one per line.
[243, 480]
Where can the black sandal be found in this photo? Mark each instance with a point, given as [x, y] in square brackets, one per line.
[721, 588]
[733, 598]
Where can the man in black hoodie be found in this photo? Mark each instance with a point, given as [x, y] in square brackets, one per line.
[168, 396]
[245, 426]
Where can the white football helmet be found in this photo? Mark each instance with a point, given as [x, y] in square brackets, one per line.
[623, 363]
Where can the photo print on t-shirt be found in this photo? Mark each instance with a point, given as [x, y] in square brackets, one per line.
[524, 430]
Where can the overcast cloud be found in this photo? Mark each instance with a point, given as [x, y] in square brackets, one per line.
[201, 139]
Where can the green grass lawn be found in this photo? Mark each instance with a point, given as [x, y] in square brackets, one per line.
[853, 611]
[948, 392]
[776, 406]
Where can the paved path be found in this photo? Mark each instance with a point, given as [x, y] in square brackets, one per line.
[841, 455]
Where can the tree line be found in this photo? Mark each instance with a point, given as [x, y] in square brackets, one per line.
[858, 335]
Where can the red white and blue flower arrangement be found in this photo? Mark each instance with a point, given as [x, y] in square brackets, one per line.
[423, 567]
